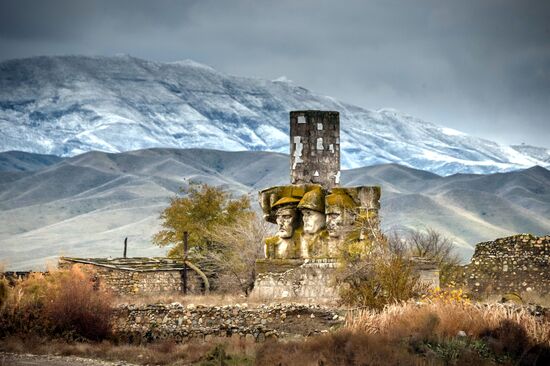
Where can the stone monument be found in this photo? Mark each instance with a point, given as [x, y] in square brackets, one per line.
[315, 217]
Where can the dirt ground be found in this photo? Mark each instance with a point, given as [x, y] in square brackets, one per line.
[13, 359]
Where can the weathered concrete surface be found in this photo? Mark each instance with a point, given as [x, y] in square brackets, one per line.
[300, 280]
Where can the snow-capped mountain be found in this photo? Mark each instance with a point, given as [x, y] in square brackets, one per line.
[73, 104]
[538, 153]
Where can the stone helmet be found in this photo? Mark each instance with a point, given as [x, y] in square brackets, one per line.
[338, 201]
[313, 200]
[285, 201]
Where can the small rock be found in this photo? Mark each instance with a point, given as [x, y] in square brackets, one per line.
[461, 333]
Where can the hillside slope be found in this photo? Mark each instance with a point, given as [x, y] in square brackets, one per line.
[86, 205]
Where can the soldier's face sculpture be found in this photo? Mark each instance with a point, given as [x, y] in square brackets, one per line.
[314, 221]
[339, 222]
[335, 221]
[285, 218]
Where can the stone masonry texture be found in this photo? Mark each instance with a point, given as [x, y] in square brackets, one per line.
[519, 263]
[315, 148]
[131, 281]
[177, 322]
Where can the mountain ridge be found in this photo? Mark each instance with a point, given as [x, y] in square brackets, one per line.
[66, 105]
[88, 204]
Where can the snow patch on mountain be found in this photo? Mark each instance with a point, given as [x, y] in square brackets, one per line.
[73, 104]
[538, 153]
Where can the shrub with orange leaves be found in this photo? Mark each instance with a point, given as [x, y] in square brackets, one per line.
[65, 303]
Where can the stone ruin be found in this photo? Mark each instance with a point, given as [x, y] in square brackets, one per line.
[138, 276]
[518, 264]
[314, 215]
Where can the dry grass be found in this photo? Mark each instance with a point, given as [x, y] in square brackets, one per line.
[63, 303]
[231, 351]
[338, 349]
[437, 333]
[447, 320]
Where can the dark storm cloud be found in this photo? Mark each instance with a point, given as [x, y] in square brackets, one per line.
[481, 66]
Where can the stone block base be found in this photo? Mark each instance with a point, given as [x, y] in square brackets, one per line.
[309, 280]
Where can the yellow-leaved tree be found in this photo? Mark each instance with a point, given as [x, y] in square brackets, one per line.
[225, 234]
[197, 210]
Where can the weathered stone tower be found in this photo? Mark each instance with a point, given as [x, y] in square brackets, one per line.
[315, 148]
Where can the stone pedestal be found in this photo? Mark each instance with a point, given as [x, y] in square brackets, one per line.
[295, 280]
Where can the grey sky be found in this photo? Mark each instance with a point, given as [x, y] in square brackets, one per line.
[480, 66]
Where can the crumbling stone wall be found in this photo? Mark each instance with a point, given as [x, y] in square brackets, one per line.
[132, 282]
[146, 323]
[519, 263]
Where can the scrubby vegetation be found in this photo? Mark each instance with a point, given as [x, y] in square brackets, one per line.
[392, 318]
[443, 327]
[374, 271]
[446, 331]
[67, 304]
[378, 270]
[225, 235]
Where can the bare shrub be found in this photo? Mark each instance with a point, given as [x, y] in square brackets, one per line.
[239, 245]
[429, 244]
[374, 273]
[378, 280]
[64, 303]
[73, 306]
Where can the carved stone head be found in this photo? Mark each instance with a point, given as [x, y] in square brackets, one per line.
[312, 207]
[340, 214]
[286, 216]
